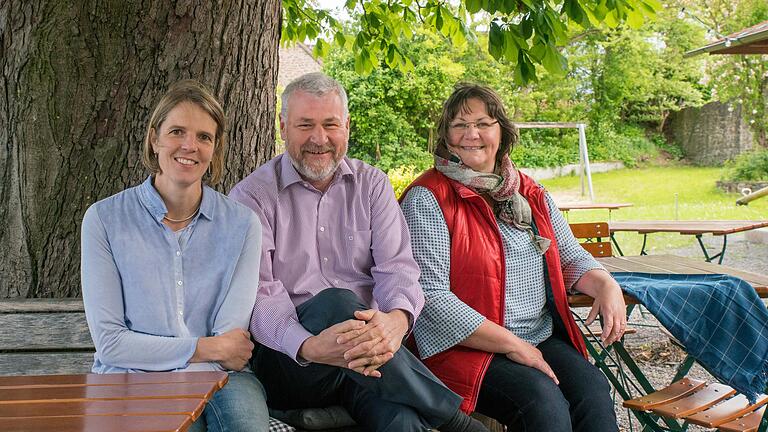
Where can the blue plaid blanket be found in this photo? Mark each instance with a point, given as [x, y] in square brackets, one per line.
[719, 319]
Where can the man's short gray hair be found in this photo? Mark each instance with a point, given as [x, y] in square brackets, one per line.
[315, 83]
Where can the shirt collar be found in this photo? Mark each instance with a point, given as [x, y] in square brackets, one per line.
[150, 197]
[208, 203]
[289, 175]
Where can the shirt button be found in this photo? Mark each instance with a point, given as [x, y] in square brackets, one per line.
[325, 259]
[350, 237]
[178, 253]
[180, 283]
[322, 229]
[181, 312]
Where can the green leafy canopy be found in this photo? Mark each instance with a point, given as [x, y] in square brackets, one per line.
[524, 33]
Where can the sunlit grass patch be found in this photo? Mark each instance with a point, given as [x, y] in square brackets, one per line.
[652, 193]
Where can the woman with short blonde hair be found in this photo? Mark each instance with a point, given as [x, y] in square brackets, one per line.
[170, 267]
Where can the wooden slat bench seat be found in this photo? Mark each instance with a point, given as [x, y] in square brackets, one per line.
[710, 405]
[748, 423]
[733, 408]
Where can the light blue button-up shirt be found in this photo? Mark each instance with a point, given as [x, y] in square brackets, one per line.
[150, 292]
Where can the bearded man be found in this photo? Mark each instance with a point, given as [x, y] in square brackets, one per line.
[338, 285]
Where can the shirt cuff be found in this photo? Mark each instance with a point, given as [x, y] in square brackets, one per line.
[401, 303]
[187, 351]
[444, 323]
[294, 336]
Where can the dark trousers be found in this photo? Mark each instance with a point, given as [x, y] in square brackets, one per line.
[524, 399]
[407, 397]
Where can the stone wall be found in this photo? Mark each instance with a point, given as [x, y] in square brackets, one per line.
[572, 169]
[739, 186]
[709, 135]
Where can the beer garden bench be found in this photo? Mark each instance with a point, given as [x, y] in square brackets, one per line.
[51, 337]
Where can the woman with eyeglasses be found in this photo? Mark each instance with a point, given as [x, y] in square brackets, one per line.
[170, 268]
[496, 260]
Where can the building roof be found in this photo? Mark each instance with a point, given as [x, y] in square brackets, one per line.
[296, 61]
[751, 40]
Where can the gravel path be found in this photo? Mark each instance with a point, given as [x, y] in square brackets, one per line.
[657, 357]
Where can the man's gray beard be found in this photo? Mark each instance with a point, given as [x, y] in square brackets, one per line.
[309, 174]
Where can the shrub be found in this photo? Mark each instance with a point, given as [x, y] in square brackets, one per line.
[672, 149]
[401, 177]
[546, 148]
[556, 147]
[751, 166]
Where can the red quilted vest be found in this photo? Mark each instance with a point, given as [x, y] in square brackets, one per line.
[480, 282]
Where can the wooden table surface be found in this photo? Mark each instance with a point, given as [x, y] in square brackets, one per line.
[715, 227]
[670, 264]
[159, 401]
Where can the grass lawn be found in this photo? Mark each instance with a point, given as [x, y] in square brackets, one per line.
[652, 193]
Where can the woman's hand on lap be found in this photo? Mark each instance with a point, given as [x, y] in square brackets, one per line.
[528, 355]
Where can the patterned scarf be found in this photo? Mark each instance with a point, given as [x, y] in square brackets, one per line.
[503, 187]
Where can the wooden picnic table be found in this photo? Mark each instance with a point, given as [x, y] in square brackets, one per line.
[670, 264]
[695, 228]
[157, 401]
[628, 378]
[567, 207]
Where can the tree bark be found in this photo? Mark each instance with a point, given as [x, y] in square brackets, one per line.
[79, 81]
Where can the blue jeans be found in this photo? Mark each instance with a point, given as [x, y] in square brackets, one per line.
[526, 400]
[241, 406]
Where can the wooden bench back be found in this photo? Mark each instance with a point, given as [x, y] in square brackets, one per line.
[594, 237]
[43, 337]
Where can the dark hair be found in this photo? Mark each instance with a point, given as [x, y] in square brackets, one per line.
[198, 94]
[457, 103]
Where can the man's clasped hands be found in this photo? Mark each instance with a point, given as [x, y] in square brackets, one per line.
[363, 344]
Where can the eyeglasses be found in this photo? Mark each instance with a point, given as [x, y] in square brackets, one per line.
[464, 126]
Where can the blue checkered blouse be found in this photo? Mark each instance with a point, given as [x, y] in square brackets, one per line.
[445, 320]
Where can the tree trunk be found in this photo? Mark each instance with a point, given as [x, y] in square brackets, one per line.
[663, 115]
[79, 81]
